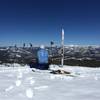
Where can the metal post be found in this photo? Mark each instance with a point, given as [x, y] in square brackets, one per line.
[62, 47]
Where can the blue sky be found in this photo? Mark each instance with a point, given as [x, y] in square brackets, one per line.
[40, 21]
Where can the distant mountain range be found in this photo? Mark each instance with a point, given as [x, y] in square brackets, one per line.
[15, 54]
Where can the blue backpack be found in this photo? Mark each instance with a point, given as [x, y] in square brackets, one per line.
[42, 56]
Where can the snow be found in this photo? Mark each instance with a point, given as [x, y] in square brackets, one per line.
[29, 93]
[21, 83]
[18, 82]
[9, 88]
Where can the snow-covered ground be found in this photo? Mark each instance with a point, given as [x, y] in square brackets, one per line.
[20, 83]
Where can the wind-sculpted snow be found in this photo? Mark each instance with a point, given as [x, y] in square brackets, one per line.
[21, 83]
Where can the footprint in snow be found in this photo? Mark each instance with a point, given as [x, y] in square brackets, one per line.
[96, 78]
[9, 88]
[10, 75]
[29, 93]
[20, 75]
[29, 78]
[18, 83]
[41, 87]
[32, 82]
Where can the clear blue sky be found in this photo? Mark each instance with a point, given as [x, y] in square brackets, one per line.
[40, 21]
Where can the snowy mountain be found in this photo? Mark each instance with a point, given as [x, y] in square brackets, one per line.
[17, 54]
[74, 55]
[78, 55]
